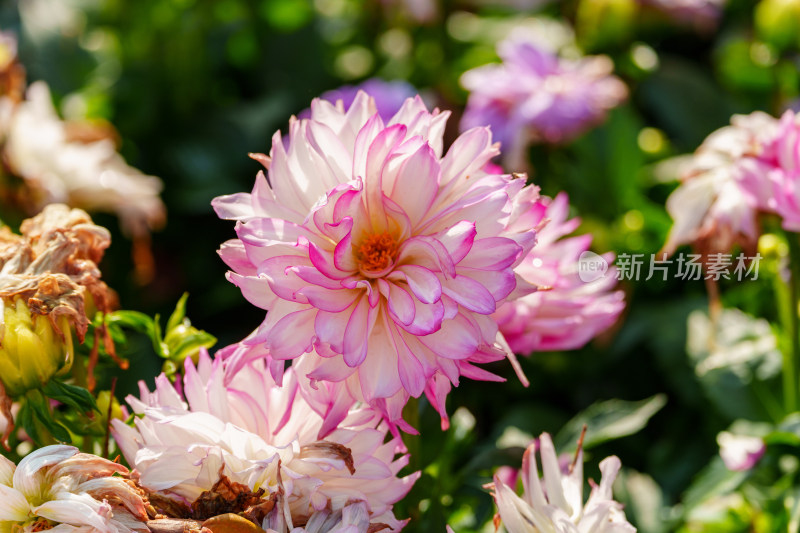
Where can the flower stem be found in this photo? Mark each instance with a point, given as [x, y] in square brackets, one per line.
[791, 358]
[411, 415]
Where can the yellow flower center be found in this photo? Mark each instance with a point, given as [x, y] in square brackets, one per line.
[377, 252]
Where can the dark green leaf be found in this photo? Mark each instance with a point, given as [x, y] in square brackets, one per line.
[71, 395]
[608, 420]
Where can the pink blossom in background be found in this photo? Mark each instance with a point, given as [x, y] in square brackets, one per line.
[535, 96]
[264, 436]
[740, 452]
[566, 312]
[553, 500]
[389, 96]
[379, 257]
[781, 158]
[725, 183]
[704, 14]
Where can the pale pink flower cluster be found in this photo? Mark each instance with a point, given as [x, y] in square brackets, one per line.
[58, 488]
[780, 158]
[239, 423]
[566, 311]
[379, 257]
[741, 170]
[536, 96]
[553, 501]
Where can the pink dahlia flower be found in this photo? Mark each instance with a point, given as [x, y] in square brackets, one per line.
[554, 500]
[536, 96]
[377, 256]
[725, 184]
[58, 488]
[781, 158]
[566, 312]
[243, 425]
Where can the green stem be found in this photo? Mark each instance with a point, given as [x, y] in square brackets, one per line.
[411, 415]
[791, 359]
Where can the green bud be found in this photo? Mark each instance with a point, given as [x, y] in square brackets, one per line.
[32, 350]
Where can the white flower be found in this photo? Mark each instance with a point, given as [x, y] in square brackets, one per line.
[92, 176]
[553, 503]
[239, 423]
[58, 488]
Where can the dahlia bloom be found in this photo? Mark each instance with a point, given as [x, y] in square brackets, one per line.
[59, 167]
[379, 259]
[56, 487]
[566, 312]
[352, 518]
[389, 96]
[740, 452]
[536, 96]
[554, 501]
[781, 158]
[725, 184]
[239, 423]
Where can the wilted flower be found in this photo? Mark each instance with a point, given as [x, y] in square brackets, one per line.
[567, 311]
[241, 425]
[375, 255]
[536, 96]
[725, 184]
[554, 501]
[56, 487]
[389, 96]
[49, 280]
[740, 452]
[57, 167]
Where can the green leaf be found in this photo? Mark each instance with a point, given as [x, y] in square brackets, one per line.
[608, 420]
[71, 395]
[131, 319]
[177, 316]
[191, 343]
[44, 416]
[714, 480]
[643, 501]
[729, 356]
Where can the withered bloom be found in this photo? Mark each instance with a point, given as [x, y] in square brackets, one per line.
[49, 282]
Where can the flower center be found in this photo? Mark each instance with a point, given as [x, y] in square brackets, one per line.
[377, 252]
[40, 524]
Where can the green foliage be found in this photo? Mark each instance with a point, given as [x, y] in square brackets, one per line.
[180, 341]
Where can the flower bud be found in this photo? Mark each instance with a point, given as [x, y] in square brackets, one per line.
[48, 279]
[32, 348]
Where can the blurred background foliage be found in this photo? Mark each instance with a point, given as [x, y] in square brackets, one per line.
[192, 86]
